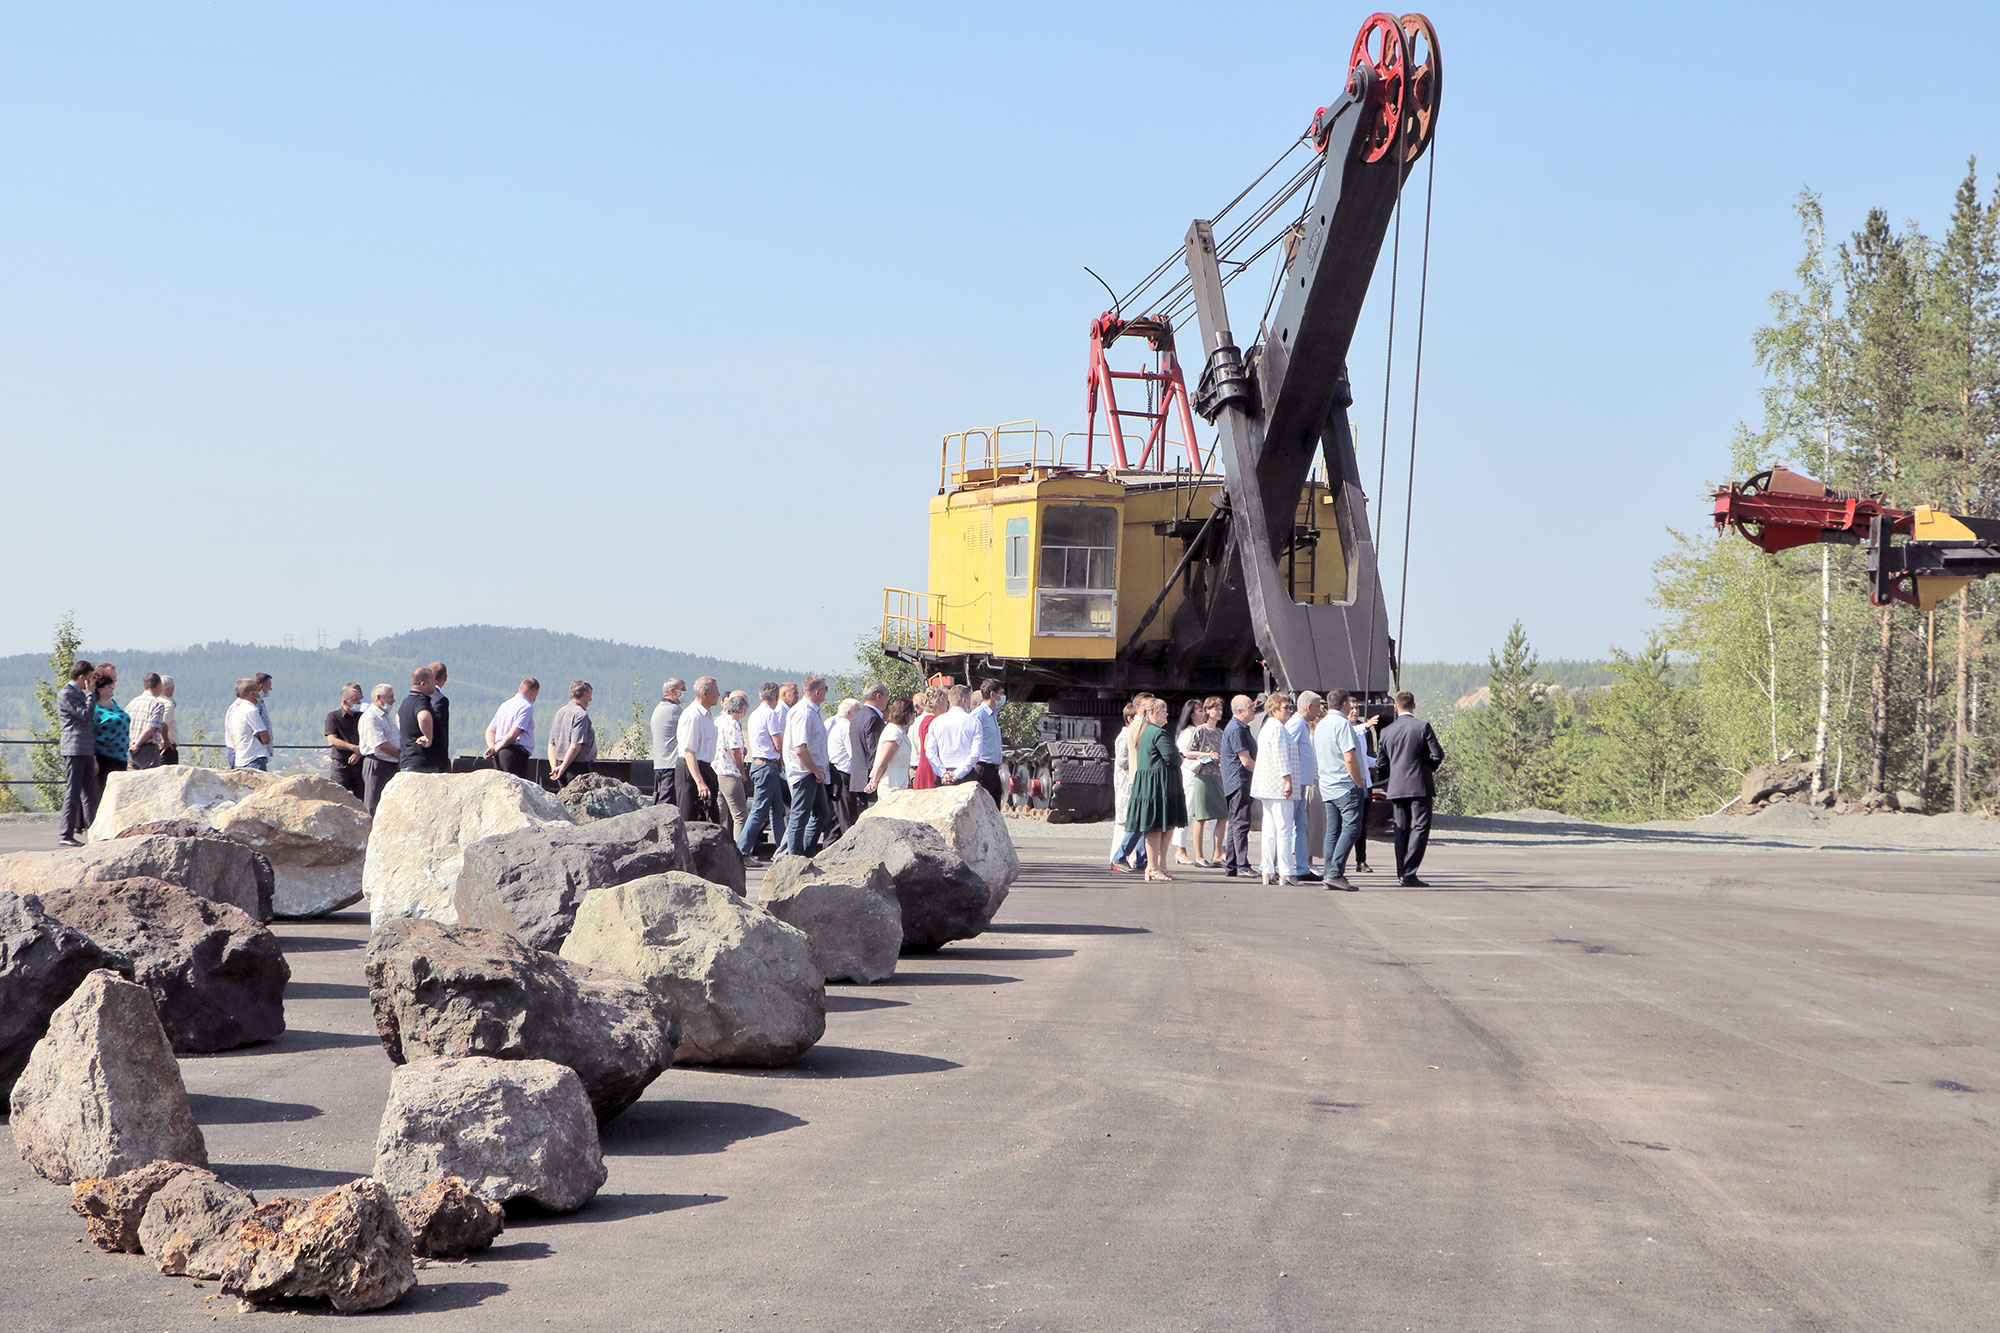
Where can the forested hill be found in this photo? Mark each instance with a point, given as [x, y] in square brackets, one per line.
[487, 663]
[1439, 685]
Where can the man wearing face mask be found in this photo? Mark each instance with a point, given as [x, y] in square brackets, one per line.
[986, 771]
[343, 742]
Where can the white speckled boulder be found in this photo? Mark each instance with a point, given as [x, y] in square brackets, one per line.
[423, 826]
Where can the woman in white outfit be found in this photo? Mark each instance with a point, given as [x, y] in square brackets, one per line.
[1271, 786]
[892, 751]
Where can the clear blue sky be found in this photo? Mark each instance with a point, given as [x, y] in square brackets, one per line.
[643, 321]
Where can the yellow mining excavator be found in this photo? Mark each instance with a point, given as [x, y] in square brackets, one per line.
[1083, 567]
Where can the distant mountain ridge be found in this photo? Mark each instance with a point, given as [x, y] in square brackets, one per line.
[486, 662]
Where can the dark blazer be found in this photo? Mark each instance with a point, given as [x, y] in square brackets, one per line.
[1413, 754]
[441, 731]
[864, 732]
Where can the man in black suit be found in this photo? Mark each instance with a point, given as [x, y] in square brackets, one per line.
[441, 712]
[1413, 754]
[864, 731]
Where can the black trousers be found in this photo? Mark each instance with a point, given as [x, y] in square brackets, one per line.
[1236, 837]
[375, 776]
[836, 795]
[513, 759]
[351, 777]
[80, 793]
[695, 806]
[1413, 831]
[988, 777]
[170, 755]
[665, 771]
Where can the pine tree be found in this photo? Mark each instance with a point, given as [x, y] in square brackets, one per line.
[1959, 410]
[10, 799]
[1654, 762]
[1506, 743]
[47, 761]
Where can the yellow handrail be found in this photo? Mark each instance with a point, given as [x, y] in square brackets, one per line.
[912, 620]
[990, 459]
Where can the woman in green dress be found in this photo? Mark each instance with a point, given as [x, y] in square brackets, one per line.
[1157, 806]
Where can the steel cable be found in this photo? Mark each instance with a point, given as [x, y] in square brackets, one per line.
[1416, 396]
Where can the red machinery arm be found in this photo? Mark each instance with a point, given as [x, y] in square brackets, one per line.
[1780, 509]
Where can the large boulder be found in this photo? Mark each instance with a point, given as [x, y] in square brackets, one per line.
[529, 882]
[1777, 782]
[112, 1206]
[423, 825]
[743, 982]
[205, 863]
[348, 1247]
[455, 991]
[217, 976]
[171, 791]
[314, 833]
[849, 914]
[510, 1129]
[102, 1093]
[448, 1221]
[187, 828]
[190, 1224]
[42, 962]
[599, 796]
[942, 898]
[971, 825]
[712, 854]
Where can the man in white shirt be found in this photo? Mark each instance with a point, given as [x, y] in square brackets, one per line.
[990, 755]
[952, 743]
[1299, 735]
[170, 719]
[809, 769]
[763, 743]
[694, 743]
[510, 736]
[381, 755]
[1338, 756]
[840, 751]
[244, 730]
[666, 748]
[732, 802]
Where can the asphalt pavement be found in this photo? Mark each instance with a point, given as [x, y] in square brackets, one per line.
[1566, 1087]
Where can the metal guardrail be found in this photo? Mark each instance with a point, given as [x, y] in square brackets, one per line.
[191, 745]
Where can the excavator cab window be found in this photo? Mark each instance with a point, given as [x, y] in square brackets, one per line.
[1017, 557]
[1078, 588]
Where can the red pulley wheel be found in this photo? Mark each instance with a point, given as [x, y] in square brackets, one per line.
[1381, 46]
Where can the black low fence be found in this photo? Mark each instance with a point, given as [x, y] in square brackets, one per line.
[638, 772]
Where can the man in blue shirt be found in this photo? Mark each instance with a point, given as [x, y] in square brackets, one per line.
[1239, 757]
[1342, 786]
[986, 766]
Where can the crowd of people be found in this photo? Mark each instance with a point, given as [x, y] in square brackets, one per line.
[1195, 787]
[781, 778]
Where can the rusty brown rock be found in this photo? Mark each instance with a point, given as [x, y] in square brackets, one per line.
[111, 1206]
[189, 1226]
[347, 1247]
[448, 1221]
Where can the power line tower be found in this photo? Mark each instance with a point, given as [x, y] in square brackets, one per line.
[322, 640]
[286, 642]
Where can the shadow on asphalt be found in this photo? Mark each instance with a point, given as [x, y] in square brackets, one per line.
[324, 990]
[517, 1250]
[317, 943]
[612, 1208]
[825, 1061]
[688, 1129]
[978, 955]
[293, 1039]
[211, 1109]
[848, 1004]
[280, 1176]
[428, 1298]
[1038, 928]
[946, 979]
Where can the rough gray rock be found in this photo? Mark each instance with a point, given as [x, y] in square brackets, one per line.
[529, 882]
[970, 824]
[743, 982]
[713, 856]
[42, 962]
[943, 898]
[207, 865]
[102, 1093]
[423, 825]
[448, 1221]
[598, 796]
[510, 1129]
[849, 913]
[190, 1223]
[457, 991]
[217, 975]
[347, 1247]
[111, 1207]
[315, 834]
[267, 879]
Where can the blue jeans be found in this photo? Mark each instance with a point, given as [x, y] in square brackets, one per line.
[767, 779]
[1344, 814]
[1302, 856]
[812, 814]
[1134, 843]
